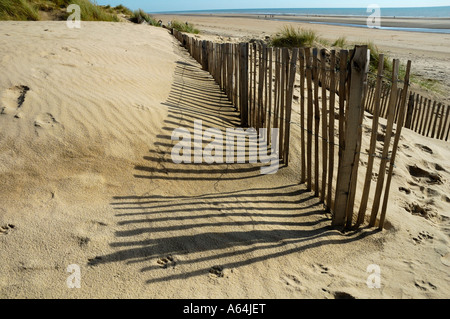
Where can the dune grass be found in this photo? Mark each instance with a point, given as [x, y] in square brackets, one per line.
[18, 10]
[91, 11]
[291, 37]
[29, 9]
[341, 42]
[375, 58]
[122, 9]
[140, 16]
[185, 27]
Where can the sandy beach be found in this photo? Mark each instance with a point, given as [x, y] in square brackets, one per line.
[395, 22]
[87, 178]
[427, 51]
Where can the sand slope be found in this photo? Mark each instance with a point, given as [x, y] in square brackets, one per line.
[87, 179]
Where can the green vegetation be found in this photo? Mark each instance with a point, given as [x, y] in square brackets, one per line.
[140, 16]
[18, 10]
[429, 84]
[184, 27]
[341, 42]
[291, 37]
[29, 10]
[375, 59]
[122, 9]
[91, 11]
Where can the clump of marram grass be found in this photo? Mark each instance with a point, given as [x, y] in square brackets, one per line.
[18, 10]
[122, 9]
[375, 58]
[93, 12]
[291, 37]
[341, 42]
[140, 16]
[29, 10]
[89, 10]
[184, 27]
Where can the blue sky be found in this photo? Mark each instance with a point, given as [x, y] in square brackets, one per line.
[183, 5]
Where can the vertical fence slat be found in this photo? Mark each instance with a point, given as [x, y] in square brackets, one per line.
[243, 83]
[436, 117]
[358, 74]
[423, 115]
[373, 143]
[387, 141]
[254, 86]
[266, 89]
[445, 122]
[331, 129]
[284, 66]
[302, 115]
[270, 87]
[358, 101]
[309, 116]
[316, 121]
[324, 119]
[260, 88]
[342, 98]
[415, 113]
[289, 97]
[277, 88]
[395, 146]
[433, 119]
[409, 113]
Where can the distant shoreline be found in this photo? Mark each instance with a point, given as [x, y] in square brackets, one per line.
[439, 25]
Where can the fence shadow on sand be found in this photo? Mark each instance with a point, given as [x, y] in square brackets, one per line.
[228, 215]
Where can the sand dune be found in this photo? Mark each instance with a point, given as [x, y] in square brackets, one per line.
[87, 179]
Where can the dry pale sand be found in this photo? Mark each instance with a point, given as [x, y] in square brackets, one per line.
[87, 179]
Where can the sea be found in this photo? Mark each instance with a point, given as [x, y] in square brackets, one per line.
[422, 12]
[414, 12]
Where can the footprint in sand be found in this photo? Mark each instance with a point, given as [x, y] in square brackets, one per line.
[6, 229]
[424, 148]
[422, 175]
[70, 49]
[424, 285]
[423, 236]
[420, 210]
[407, 191]
[165, 262]
[13, 98]
[48, 122]
[319, 268]
[83, 241]
[293, 282]
[216, 271]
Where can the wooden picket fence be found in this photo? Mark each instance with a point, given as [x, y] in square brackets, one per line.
[260, 82]
[424, 116]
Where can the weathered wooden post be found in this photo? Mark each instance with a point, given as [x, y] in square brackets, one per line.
[205, 55]
[395, 146]
[352, 135]
[387, 141]
[289, 97]
[410, 110]
[243, 83]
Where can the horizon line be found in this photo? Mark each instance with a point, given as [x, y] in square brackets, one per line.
[386, 7]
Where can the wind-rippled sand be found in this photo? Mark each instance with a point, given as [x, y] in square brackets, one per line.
[86, 178]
